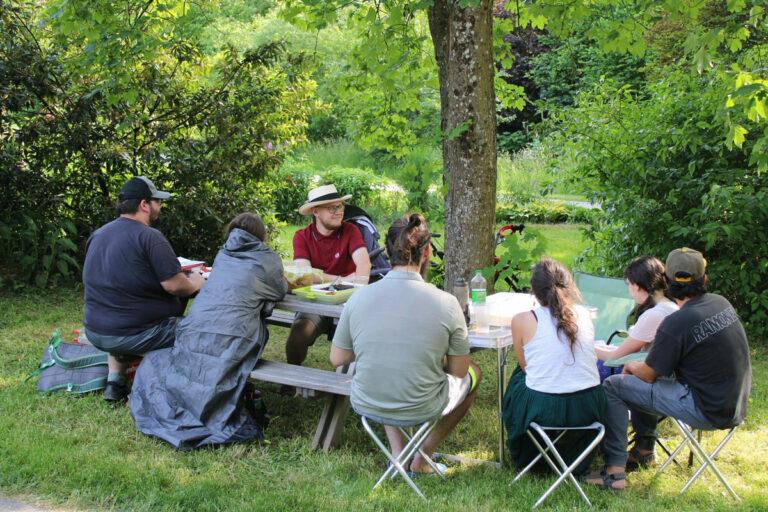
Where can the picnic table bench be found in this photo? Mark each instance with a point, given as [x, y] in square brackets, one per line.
[281, 318]
[337, 385]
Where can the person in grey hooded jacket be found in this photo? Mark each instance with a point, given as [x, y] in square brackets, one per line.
[191, 395]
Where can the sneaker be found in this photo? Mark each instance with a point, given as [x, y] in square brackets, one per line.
[115, 392]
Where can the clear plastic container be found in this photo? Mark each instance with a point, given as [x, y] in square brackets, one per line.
[299, 276]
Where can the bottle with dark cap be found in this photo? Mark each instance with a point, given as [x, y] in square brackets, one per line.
[461, 292]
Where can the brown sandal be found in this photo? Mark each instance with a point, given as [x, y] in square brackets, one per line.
[606, 480]
[637, 460]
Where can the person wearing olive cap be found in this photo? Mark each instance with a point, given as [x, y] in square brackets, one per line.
[697, 370]
[133, 284]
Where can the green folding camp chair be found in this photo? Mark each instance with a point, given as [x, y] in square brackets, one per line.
[614, 309]
[610, 297]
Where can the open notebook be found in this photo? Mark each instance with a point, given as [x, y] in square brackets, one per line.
[187, 265]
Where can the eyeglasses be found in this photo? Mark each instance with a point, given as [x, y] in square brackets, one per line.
[334, 209]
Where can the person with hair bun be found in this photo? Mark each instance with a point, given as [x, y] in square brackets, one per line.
[197, 393]
[410, 343]
[556, 380]
[647, 284]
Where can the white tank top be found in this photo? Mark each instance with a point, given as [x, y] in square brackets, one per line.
[550, 364]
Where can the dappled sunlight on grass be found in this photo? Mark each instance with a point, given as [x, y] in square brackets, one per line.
[79, 452]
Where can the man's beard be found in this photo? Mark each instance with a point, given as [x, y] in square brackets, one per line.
[330, 226]
[153, 216]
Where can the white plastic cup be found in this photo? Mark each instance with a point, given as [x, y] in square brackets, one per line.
[481, 318]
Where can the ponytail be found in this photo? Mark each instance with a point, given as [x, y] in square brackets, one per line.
[647, 273]
[554, 288]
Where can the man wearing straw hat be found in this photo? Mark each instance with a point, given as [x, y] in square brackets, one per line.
[332, 245]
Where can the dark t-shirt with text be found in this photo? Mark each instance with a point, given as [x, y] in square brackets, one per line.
[704, 345]
[125, 262]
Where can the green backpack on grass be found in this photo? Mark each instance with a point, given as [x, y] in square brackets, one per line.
[70, 367]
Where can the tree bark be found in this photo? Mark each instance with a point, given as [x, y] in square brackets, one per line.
[462, 38]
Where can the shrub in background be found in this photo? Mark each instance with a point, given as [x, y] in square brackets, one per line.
[667, 177]
[545, 212]
[81, 112]
[382, 198]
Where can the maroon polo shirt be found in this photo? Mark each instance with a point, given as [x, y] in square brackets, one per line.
[333, 253]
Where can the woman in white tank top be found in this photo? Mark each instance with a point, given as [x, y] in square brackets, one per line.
[556, 381]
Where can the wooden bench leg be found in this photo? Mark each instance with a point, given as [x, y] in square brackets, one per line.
[331, 424]
[336, 426]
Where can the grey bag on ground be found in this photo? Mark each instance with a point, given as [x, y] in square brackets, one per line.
[71, 368]
[191, 395]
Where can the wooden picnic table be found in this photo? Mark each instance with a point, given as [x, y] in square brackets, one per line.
[338, 385]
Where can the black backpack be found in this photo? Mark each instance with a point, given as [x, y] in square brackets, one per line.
[360, 218]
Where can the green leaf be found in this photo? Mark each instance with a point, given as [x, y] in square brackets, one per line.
[737, 135]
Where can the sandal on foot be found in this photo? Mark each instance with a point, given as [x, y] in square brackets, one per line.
[637, 460]
[430, 472]
[606, 480]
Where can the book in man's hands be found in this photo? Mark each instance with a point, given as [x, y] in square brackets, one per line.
[188, 265]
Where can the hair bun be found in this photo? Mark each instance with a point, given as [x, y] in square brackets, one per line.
[414, 221]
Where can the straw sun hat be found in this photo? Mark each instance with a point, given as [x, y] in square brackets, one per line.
[320, 196]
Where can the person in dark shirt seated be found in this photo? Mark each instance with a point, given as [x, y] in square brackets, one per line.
[697, 370]
[133, 283]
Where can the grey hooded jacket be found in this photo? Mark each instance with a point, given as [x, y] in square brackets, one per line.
[190, 395]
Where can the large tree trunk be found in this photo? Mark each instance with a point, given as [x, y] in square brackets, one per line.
[463, 48]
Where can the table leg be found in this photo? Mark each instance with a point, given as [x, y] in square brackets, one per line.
[500, 367]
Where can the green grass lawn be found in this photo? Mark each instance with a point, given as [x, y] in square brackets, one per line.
[82, 453]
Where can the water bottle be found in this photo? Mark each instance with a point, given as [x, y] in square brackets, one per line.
[479, 289]
[79, 337]
[461, 292]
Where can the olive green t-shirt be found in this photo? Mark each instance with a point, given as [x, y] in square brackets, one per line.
[400, 328]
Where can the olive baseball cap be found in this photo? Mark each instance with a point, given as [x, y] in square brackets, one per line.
[685, 265]
[140, 187]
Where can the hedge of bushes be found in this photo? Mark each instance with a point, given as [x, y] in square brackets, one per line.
[545, 212]
[382, 198]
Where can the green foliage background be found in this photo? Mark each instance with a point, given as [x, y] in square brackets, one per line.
[94, 92]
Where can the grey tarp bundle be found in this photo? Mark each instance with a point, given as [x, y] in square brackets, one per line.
[189, 395]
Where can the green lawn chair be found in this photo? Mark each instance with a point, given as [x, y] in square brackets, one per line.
[611, 298]
[614, 309]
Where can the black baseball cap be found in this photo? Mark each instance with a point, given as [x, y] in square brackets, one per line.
[140, 187]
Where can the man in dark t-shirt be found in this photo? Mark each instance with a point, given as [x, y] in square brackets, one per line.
[697, 370]
[332, 245]
[133, 283]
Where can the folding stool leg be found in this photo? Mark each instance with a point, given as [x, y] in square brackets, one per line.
[542, 453]
[396, 463]
[706, 460]
[567, 471]
[426, 457]
[408, 450]
[666, 450]
[674, 453]
[690, 454]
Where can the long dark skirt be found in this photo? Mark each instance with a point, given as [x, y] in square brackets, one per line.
[523, 405]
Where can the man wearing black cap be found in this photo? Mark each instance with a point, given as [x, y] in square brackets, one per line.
[133, 284]
[697, 370]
